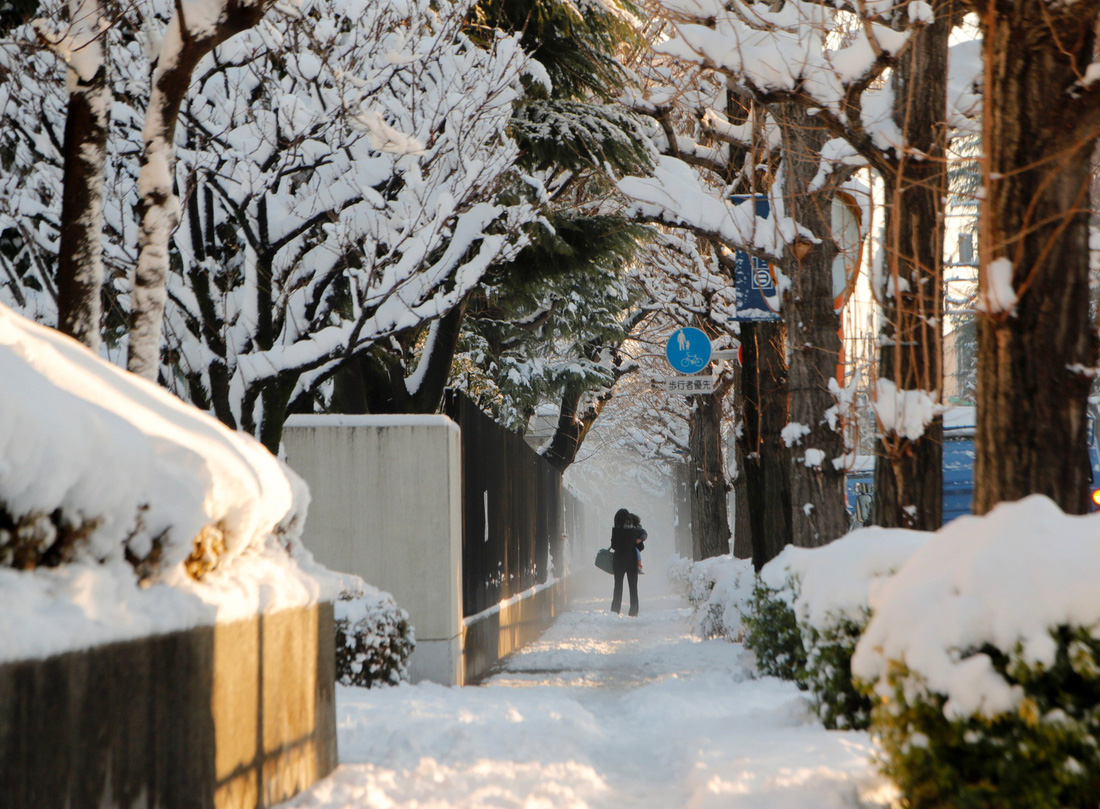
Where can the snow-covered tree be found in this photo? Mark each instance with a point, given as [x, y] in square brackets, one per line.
[193, 31]
[871, 78]
[347, 172]
[563, 293]
[718, 144]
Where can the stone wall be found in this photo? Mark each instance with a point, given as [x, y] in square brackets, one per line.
[234, 716]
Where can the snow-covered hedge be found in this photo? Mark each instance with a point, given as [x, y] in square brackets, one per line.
[771, 631]
[984, 652]
[125, 512]
[809, 608]
[832, 609]
[373, 638]
[718, 588]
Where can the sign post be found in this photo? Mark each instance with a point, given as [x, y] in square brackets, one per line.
[688, 385]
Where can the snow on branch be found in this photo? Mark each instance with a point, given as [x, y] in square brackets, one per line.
[808, 52]
[674, 196]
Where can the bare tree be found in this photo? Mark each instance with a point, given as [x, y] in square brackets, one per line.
[909, 465]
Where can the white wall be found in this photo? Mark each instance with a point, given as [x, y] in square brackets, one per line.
[387, 505]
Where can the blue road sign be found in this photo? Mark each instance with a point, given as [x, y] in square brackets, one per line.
[688, 350]
[757, 297]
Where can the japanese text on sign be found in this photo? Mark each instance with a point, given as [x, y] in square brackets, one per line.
[688, 385]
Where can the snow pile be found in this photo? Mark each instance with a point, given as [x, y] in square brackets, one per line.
[1006, 579]
[149, 515]
[719, 588]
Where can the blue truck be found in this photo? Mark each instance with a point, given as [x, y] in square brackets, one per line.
[958, 471]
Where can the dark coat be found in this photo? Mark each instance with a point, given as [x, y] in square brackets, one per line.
[624, 541]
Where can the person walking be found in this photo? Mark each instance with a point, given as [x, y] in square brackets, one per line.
[626, 541]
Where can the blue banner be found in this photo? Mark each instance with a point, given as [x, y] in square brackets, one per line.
[757, 297]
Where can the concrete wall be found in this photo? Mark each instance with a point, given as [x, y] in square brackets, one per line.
[234, 716]
[387, 506]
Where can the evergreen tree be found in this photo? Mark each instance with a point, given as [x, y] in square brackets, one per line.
[542, 326]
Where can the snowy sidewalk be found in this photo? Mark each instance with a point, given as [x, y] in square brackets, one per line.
[602, 712]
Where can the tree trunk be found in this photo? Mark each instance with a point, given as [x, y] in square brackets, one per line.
[742, 527]
[908, 467]
[766, 469]
[439, 354]
[80, 253]
[1035, 356]
[573, 426]
[158, 206]
[276, 400]
[814, 435]
[710, 527]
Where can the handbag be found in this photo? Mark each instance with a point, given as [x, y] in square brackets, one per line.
[605, 560]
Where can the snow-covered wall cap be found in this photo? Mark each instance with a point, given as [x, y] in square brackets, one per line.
[960, 418]
[143, 474]
[384, 420]
[1006, 578]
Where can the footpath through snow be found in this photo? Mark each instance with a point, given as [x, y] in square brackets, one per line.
[602, 712]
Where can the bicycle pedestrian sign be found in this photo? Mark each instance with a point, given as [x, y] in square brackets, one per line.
[688, 350]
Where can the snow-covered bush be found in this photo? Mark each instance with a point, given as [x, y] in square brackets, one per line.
[808, 609]
[99, 465]
[717, 588]
[373, 638]
[125, 511]
[831, 608]
[984, 654]
[771, 631]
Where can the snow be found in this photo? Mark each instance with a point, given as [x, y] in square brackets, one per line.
[139, 470]
[81, 45]
[792, 433]
[921, 12]
[814, 458]
[834, 581]
[1006, 578]
[998, 295]
[603, 711]
[903, 412]
[383, 420]
[675, 195]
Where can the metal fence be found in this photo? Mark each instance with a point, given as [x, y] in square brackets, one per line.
[512, 510]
